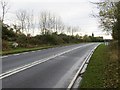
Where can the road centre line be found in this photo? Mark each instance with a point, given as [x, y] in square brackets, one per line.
[19, 69]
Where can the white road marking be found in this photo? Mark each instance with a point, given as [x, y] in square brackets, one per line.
[81, 68]
[33, 51]
[19, 69]
[24, 52]
[19, 53]
[16, 54]
[3, 56]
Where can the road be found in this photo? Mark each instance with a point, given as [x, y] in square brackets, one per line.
[55, 72]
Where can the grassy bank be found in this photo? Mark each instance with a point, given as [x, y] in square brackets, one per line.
[20, 50]
[95, 74]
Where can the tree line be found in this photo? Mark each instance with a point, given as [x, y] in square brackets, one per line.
[45, 21]
[9, 36]
[52, 30]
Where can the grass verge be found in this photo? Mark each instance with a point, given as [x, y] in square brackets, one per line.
[20, 50]
[94, 75]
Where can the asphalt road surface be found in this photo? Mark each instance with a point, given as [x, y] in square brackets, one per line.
[56, 72]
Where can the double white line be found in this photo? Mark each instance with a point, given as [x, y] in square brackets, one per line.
[19, 69]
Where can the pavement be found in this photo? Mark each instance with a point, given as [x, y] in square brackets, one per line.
[55, 72]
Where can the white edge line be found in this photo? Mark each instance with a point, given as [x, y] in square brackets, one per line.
[18, 54]
[22, 53]
[76, 75]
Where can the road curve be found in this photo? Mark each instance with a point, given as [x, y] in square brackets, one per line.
[55, 73]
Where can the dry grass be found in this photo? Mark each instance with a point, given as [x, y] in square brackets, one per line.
[112, 68]
[113, 55]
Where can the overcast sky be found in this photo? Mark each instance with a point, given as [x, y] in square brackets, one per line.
[73, 12]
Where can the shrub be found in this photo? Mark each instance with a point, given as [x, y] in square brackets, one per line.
[5, 45]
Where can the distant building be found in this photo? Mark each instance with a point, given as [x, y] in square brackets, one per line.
[101, 38]
[92, 34]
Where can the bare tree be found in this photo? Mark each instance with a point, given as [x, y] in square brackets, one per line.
[32, 22]
[50, 23]
[62, 28]
[46, 22]
[5, 8]
[28, 23]
[21, 16]
[68, 29]
[59, 25]
[43, 22]
[56, 24]
[53, 23]
[73, 30]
